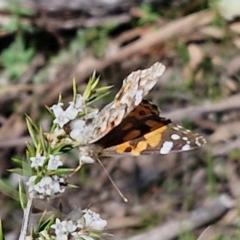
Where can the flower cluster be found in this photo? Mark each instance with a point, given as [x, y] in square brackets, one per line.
[79, 127]
[82, 228]
[45, 187]
[47, 177]
[64, 116]
[46, 180]
[77, 116]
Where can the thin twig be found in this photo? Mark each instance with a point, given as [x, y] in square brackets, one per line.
[27, 212]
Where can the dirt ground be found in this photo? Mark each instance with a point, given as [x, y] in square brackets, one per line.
[187, 195]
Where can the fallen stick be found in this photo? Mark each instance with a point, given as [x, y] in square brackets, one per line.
[194, 112]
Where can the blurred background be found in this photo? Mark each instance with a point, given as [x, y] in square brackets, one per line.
[189, 195]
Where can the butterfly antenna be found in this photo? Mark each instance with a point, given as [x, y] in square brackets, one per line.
[111, 180]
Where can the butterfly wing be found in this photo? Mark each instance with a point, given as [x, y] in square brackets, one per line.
[143, 119]
[163, 140]
[135, 87]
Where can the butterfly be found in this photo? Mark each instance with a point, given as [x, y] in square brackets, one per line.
[133, 125]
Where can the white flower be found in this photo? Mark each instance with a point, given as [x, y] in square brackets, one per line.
[57, 188]
[78, 128]
[54, 162]
[59, 226]
[70, 226]
[63, 228]
[78, 124]
[37, 161]
[30, 183]
[61, 115]
[92, 221]
[45, 186]
[71, 112]
[79, 104]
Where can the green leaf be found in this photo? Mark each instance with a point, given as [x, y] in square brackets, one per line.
[32, 131]
[95, 99]
[17, 161]
[63, 148]
[87, 91]
[74, 90]
[62, 171]
[95, 81]
[45, 222]
[103, 89]
[8, 190]
[18, 171]
[1, 231]
[31, 151]
[26, 169]
[49, 110]
[72, 186]
[42, 140]
[22, 195]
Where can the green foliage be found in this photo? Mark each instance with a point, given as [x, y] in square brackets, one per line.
[235, 154]
[8, 190]
[182, 52]
[15, 59]
[15, 24]
[44, 224]
[149, 15]
[95, 38]
[187, 236]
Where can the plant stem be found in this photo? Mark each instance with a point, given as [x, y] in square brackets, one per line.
[27, 212]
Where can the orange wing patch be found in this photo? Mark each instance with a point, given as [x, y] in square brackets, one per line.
[166, 139]
[139, 145]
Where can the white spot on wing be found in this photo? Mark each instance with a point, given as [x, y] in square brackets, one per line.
[186, 147]
[175, 137]
[166, 148]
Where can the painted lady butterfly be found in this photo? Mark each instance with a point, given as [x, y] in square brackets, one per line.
[130, 124]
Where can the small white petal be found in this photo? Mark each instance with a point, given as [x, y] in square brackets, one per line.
[54, 162]
[57, 109]
[92, 221]
[59, 226]
[37, 161]
[70, 226]
[78, 124]
[91, 115]
[62, 236]
[30, 183]
[71, 112]
[45, 186]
